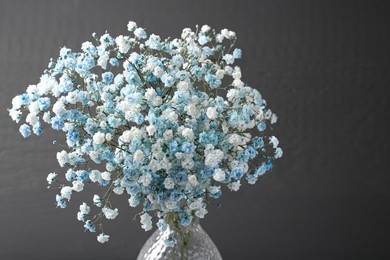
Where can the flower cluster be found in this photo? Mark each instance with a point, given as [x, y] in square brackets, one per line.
[170, 120]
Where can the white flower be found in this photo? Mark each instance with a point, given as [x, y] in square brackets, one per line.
[219, 38]
[84, 208]
[197, 204]
[145, 179]
[168, 134]
[78, 185]
[205, 28]
[150, 94]
[118, 190]
[211, 113]
[157, 101]
[158, 72]
[225, 33]
[169, 183]
[232, 35]
[99, 138]
[235, 139]
[188, 133]
[86, 45]
[97, 201]
[192, 111]
[200, 213]
[72, 97]
[46, 117]
[232, 94]
[235, 186]
[34, 108]
[110, 213]
[51, 177]
[102, 238]
[236, 74]
[146, 221]
[59, 108]
[95, 175]
[66, 192]
[127, 136]
[192, 180]
[187, 163]
[15, 115]
[32, 119]
[138, 155]
[214, 189]
[219, 175]
[106, 176]
[131, 26]
[274, 118]
[274, 141]
[47, 84]
[123, 43]
[16, 102]
[182, 86]
[103, 59]
[133, 201]
[220, 74]
[80, 216]
[213, 158]
[151, 129]
[108, 136]
[238, 83]
[62, 158]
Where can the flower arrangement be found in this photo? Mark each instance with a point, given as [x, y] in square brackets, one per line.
[170, 121]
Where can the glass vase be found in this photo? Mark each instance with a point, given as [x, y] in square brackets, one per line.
[179, 243]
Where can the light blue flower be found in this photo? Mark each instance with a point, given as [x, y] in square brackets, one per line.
[261, 126]
[37, 128]
[89, 226]
[185, 219]
[257, 142]
[140, 33]
[162, 225]
[168, 80]
[43, 103]
[228, 58]
[25, 130]
[213, 81]
[107, 77]
[57, 123]
[188, 147]
[261, 169]
[25, 99]
[203, 39]
[70, 175]
[237, 53]
[278, 153]
[153, 42]
[237, 173]
[60, 202]
[73, 135]
[170, 241]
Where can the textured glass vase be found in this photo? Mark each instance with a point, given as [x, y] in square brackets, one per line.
[191, 243]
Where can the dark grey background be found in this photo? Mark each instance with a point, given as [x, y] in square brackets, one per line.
[323, 67]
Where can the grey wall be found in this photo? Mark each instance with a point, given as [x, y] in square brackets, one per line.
[323, 67]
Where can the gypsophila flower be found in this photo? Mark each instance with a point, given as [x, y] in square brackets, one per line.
[146, 221]
[166, 122]
[110, 213]
[102, 238]
[51, 177]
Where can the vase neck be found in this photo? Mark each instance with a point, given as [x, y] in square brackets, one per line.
[173, 221]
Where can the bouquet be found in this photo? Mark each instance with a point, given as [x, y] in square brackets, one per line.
[170, 122]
